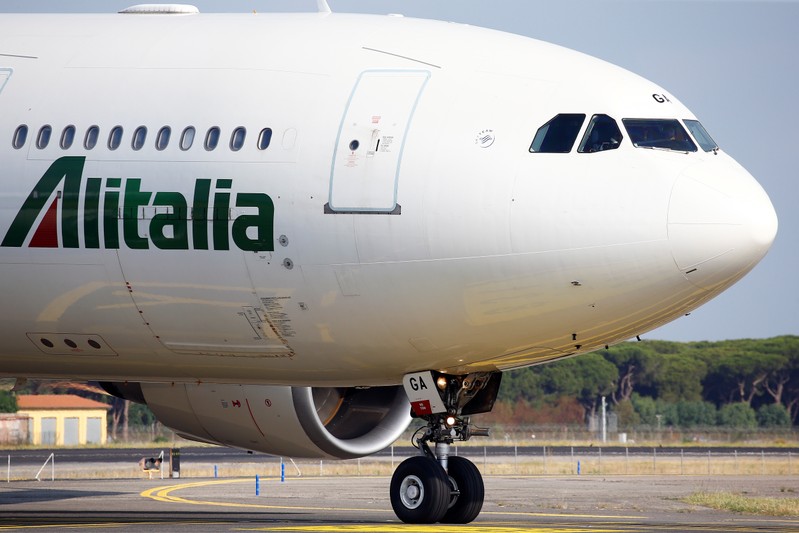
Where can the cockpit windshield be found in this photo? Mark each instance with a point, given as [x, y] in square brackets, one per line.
[664, 134]
[558, 135]
[602, 134]
[701, 135]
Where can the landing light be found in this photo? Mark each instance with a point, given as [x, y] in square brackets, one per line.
[441, 382]
[450, 421]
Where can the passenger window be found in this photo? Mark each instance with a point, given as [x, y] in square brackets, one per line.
[43, 139]
[139, 136]
[558, 135]
[67, 137]
[115, 138]
[20, 136]
[237, 139]
[187, 138]
[212, 139]
[664, 134]
[602, 134]
[92, 135]
[162, 140]
[701, 135]
[264, 138]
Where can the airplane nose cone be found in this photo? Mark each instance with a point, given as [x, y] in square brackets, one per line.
[720, 223]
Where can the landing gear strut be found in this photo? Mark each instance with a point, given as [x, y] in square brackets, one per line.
[434, 487]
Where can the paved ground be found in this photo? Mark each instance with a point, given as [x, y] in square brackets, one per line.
[513, 504]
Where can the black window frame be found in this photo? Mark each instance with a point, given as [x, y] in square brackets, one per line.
[20, 137]
[115, 137]
[560, 136]
[237, 138]
[44, 136]
[636, 127]
[212, 137]
[161, 143]
[139, 138]
[603, 145]
[67, 137]
[264, 138]
[91, 137]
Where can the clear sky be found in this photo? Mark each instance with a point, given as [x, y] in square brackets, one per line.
[734, 63]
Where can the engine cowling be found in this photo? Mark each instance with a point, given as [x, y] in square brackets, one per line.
[313, 422]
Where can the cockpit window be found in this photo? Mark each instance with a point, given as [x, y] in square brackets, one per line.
[602, 134]
[665, 134]
[558, 135]
[701, 135]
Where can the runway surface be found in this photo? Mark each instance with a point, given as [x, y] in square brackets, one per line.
[349, 504]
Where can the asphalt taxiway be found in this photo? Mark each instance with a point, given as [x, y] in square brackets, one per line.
[360, 504]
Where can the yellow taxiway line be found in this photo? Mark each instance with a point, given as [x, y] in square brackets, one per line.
[165, 494]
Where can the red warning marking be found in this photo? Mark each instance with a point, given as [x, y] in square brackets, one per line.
[252, 416]
[46, 235]
[236, 403]
[422, 407]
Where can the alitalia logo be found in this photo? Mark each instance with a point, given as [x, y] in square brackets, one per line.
[66, 210]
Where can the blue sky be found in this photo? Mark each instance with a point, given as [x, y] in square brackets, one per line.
[732, 62]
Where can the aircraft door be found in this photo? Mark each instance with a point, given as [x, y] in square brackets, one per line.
[371, 139]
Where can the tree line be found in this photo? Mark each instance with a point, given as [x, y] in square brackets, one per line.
[735, 383]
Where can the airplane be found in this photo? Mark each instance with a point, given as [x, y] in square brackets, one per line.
[295, 233]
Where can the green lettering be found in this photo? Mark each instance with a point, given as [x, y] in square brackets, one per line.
[199, 214]
[91, 207]
[134, 199]
[221, 216]
[176, 220]
[262, 222]
[111, 214]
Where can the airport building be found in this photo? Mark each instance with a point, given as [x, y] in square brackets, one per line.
[63, 419]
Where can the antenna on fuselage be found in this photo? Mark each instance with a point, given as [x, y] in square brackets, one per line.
[322, 7]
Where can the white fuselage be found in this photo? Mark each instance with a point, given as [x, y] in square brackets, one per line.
[437, 241]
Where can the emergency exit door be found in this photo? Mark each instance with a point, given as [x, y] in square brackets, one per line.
[371, 139]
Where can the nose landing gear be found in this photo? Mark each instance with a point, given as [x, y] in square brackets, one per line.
[434, 487]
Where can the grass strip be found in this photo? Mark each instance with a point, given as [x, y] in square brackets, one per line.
[739, 503]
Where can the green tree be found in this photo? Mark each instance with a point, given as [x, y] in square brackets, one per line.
[739, 415]
[586, 378]
[521, 384]
[634, 362]
[741, 372]
[773, 416]
[696, 414]
[8, 402]
[646, 409]
[680, 378]
[628, 417]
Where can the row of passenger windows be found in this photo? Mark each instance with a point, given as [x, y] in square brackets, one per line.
[603, 133]
[139, 138]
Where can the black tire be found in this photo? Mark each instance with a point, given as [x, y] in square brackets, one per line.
[420, 491]
[466, 478]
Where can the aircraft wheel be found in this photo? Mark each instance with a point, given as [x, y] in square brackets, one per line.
[420, 491]
[467, 480]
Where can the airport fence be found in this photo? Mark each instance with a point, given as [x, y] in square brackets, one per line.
[573, 461]
[491, 460]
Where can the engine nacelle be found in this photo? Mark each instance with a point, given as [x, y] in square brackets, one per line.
[342, 423]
